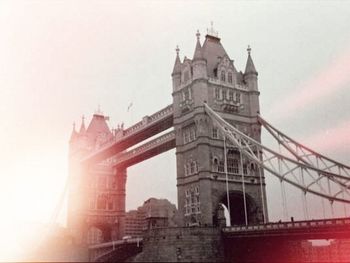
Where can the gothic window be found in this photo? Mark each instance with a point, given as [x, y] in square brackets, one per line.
[110, 204]
[223, 76]
[94, 236]
[238, 97]
[232, 163]
[215, 133]
[189, 134]
[215, 165]
[245, 169]
[230, 95]
[192, 167]
[229, 77]
[192, 203]
[221, 167]
[217, 93]
[224, 94]
[101, 202]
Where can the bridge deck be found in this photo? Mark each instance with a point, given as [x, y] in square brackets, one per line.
[311, 229]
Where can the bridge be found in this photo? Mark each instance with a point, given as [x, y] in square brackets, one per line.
[215, 125]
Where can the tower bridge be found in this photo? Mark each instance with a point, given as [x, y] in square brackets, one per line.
[220, 160]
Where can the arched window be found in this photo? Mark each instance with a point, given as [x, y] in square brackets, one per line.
[223, 76]
[229, 77]
[94, 236]
[193, 167]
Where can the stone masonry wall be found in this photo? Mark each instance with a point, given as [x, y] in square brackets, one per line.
[186, 244]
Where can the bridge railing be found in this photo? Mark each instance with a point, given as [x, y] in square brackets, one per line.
[286, 225]
[149, 119]
[161, 139]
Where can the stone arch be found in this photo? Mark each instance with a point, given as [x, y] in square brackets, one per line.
[237, 215]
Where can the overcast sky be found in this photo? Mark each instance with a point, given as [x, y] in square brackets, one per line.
[61, 59]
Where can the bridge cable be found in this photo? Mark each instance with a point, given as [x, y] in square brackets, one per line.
[261, 187]
[243, 186]
[234, 135]
[227, 192]
[283, 190]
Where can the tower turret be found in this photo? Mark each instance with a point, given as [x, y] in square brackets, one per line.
[82, 126]
[250, 73]
[251, 79]
[199, 63]
[176, 75]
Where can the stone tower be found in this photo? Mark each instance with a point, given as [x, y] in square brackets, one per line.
[96, 204]
[211, 77]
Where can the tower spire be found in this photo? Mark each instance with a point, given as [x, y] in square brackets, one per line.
[74, 133]
[82, 126]
[198, 51]
[250, 68]
[177, 65]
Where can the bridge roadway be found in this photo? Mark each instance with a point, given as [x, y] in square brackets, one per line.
[148, 127]
[336, 228]
[152, 148]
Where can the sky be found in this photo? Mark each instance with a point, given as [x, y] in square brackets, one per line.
[59, 60]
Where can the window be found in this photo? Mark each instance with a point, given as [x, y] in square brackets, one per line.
[230, 95]
[232, 163]
[192, 203]
[229, 77]
[245, 169]
[101, 202]
[215, 133]
[238, 97]
[110, 204]
[193, 167]
[221, 167]
[223, 76]
[189, 134]
[217, 93]
[224, 94]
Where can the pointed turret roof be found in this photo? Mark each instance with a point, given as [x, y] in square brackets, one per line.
[250, 68]
[177, 65]
[82, 126]
[98, 125]
[74, 134]
[198, 51]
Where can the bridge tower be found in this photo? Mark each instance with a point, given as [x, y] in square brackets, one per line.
[211, 77]
[96, 203]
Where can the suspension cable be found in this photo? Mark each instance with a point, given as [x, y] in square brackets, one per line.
[227, 192]
[261, 189]
[283, 190]
[243, 186]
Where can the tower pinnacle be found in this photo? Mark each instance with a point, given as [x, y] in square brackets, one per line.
[177, 65]
[250, 68]
[198, 51]
[82, 127]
